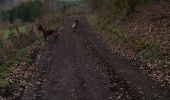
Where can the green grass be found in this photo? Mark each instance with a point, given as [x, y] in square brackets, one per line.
[6, 33]
[22, 29]
[7, 63]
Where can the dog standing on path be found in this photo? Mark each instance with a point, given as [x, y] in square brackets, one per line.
[47, 33]
[75, 25]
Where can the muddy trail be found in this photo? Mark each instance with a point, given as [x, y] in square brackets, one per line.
[79, 67]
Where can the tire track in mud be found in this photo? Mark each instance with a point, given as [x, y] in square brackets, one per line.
[111, 79]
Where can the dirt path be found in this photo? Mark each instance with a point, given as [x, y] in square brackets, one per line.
[79, 68]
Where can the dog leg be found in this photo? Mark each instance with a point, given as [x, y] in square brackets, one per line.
[45, 38]
[56, 37]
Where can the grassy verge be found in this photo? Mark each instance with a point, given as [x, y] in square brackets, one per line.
[145, 51]
[7, 63]
[60, 23]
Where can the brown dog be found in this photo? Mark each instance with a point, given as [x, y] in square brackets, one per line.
[47, 33]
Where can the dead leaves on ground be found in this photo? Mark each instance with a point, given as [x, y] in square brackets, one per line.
[20, 75]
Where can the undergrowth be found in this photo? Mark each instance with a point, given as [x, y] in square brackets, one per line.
[147, 52]
[5, 66]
